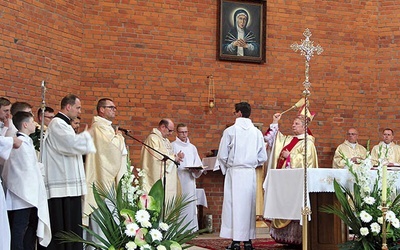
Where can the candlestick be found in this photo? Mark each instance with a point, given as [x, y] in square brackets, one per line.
[384, 183]
[384, 211]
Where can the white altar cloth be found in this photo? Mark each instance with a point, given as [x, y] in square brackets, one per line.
[201, 198]
[284, 189]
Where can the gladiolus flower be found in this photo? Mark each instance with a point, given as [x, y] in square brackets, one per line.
[396, 223]
[390, 216]
[164, 226]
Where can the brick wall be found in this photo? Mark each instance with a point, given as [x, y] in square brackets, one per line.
[153, 59]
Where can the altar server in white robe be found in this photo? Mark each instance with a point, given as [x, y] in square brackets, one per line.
[6, 145]
[64, 172]
[26, 196]
[241, 151]
[187, 177]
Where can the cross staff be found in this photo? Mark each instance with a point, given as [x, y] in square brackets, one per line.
[307, 49]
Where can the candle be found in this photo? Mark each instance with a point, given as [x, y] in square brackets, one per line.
[384, 183]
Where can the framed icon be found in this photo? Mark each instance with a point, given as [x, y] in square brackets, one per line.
[242, 30]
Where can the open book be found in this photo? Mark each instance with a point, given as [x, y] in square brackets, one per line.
[197, 167]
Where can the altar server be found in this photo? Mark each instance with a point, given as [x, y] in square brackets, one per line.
[6, 145]
[241, 151]
[25, 191]
[187, 177]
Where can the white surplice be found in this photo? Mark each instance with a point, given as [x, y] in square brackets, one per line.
[62, 159]
[188, 179]
[23, 180]
[6, 145]
[241, 150]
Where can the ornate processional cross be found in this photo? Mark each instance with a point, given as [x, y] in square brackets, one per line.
[307, 49]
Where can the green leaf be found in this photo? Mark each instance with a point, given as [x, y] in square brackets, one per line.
[157, 192]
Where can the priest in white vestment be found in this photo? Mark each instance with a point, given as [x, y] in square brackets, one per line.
[241, 151]
[107, 166]
[386, 150]
[153, 162]
[25, 191]
[349, 149]
[64, 172]
[288, 152]
[187, 177]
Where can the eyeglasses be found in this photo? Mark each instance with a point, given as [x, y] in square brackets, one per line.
[110, 107]
[183, 132]
[351, 134]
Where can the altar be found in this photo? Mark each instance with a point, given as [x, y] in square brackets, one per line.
[326, 231]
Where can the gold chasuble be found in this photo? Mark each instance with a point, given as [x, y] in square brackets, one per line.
[287, 231]
[349, 150]
[296, 158]
[107, 165]
[153, 165]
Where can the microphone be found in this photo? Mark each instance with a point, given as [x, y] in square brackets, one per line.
[121, 129]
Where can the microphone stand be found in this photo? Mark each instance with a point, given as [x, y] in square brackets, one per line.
[164, 159]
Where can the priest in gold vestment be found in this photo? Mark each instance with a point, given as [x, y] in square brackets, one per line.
[152, 162]
[386, 149]
[349, 149]
[288, 152]
[107, 166]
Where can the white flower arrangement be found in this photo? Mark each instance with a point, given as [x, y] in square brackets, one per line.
[361, 208]
[136, 220]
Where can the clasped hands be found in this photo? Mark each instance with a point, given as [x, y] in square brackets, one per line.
[240, 43]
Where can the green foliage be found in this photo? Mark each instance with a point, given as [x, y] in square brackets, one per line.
[131, 219]
[361, 210]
